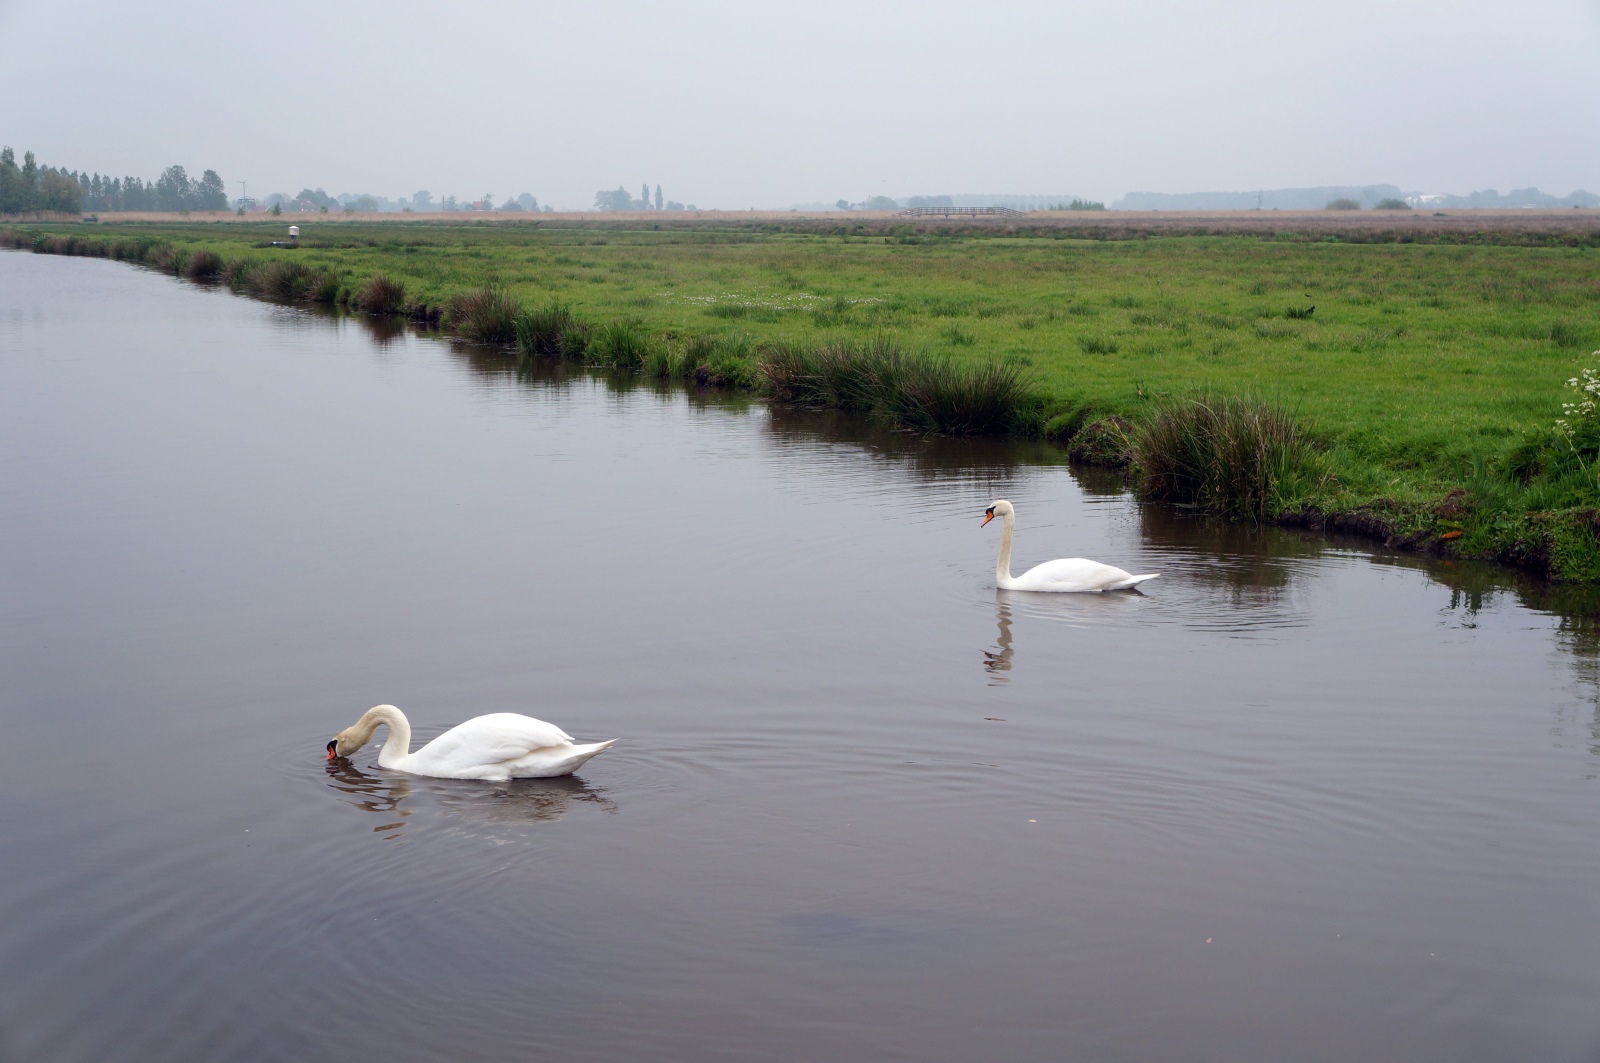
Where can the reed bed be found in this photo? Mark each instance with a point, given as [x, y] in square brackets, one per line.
[551, 332]
[380, 294]
[1229, 456]
[487, 315]
[620, 345]
[1427, 369]
[203, 265]
[911, 389]
[291, 281]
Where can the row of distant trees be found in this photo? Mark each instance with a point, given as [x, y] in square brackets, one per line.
[619, 199]
[1345, 203]
[948, 203]
[31, 187]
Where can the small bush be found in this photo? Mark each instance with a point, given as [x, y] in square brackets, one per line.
[1342, 203]
[487, 315]
[204, 266]
[380, 294]
[1391, 204]
[1231, 457]
[1097, 345]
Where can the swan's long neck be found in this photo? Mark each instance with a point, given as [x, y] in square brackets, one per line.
[1002, 564]
[398, 745]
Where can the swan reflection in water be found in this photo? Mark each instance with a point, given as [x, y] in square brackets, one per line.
[999, 662]
[1074, 610]
[393, 796]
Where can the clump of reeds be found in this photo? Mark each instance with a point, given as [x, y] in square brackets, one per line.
[324, 288]
[620, 345]
[724, 362]
[913, 390]
[552, 332]
[834, 375]
[237, 274]
[285, 280]
[380, 294]
[937, 395]
[1106, 442]
[714, 361]
[163, 257]
[203, 266]
[488, 315]
[1228, 456]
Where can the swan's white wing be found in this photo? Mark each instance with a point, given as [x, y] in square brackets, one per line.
[1072, 574]
[489, 740]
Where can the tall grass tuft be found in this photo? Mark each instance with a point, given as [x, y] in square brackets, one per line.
[913, 390]
[839, 375]
[716, 361]
[551, 332]
[621, 345]
[238, 273]
[938, 395]
[324, 288]
[487, 315]
[1232, 457]
[381, 294]
[204, 266]
[282, 279]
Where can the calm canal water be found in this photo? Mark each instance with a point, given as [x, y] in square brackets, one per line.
[1298, 802]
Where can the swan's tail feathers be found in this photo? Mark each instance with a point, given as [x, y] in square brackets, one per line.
[552, 761]
[1132, 581]
[581, 754]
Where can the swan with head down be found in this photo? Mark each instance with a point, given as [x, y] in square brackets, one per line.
[496, 747]
[1064, 574]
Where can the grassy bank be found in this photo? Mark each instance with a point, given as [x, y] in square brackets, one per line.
[1403, 390]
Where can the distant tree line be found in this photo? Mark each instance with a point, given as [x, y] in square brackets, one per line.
[31, 187]
[619, 199]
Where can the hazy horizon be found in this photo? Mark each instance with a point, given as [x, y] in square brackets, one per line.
[731, 106]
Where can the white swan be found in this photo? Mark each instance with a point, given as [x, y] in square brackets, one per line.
[496, 747]
[1063, 574]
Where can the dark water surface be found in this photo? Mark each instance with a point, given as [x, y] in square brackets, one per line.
[1298, 802]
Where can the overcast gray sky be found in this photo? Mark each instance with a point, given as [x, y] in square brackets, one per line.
[751, 104]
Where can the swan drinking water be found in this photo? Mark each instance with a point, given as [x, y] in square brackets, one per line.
[1063, 574]
[496, 747]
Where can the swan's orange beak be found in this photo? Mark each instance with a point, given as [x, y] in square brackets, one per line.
[333, 750]
[988, 515]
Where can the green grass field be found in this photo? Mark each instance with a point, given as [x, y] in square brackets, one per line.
[1423, 368]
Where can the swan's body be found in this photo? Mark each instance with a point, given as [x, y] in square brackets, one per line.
[1064, 574]
[496, 747]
